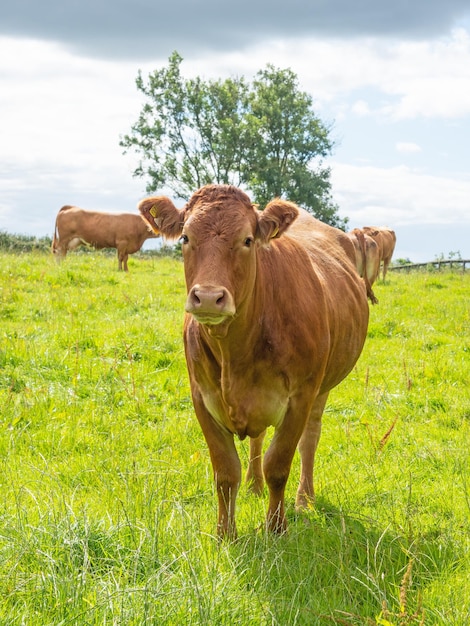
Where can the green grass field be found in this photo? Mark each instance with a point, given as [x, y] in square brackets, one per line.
[107, 506]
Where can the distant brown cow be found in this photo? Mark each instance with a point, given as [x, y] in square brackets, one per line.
[124, 231]
[386, 240]
[367, 255]
[276, 316]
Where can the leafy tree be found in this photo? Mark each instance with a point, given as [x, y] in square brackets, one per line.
[189, 132]
[291, 141]
[264, 137]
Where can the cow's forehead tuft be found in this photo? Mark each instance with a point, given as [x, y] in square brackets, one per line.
[224, 220]
[221, 211]
[218, 194]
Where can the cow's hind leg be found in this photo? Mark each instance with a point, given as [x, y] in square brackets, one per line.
[307, 447]
[59, 253]
[386, 262]
[254, 474]
[60, 248]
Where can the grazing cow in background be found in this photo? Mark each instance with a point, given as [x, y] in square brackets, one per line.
[124, 231]
[276, 316]
[367, 258]
[386, 240]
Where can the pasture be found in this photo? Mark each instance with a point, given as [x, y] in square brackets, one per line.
[107, 505]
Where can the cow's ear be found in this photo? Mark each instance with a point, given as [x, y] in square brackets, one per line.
[276, 219]
[162, 216]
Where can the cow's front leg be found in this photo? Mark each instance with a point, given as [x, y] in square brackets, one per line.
[226, 467]
[254, 474]
[122, 260]
[278, 459]
[227, 475]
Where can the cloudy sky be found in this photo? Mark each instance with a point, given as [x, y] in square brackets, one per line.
[392, 78]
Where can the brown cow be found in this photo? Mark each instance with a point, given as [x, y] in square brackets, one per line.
[367, 256]
[386, 240]
[276, 316]
[124, 231]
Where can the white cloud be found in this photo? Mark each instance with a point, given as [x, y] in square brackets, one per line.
[52, 99]
[415, 79]
[58, 106]
[399, 196]
[429, 79]
[361, 108]
[407, 147]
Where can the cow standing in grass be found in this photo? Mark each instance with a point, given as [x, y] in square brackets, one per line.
[367, 259]
[386, 241]
[276, 316]
[75, 227]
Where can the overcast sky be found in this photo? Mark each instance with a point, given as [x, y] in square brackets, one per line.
[391, 78]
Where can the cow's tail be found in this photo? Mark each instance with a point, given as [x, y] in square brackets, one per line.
[362, 247]
[55, 238]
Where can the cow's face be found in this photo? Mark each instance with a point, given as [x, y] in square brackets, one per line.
[221, 232]
[221, 236]
[219, 241]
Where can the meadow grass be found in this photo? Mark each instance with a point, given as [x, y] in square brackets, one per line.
[107, 506]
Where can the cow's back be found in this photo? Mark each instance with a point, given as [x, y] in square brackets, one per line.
[329, 281]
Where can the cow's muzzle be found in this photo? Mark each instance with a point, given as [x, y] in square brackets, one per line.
[210, 304]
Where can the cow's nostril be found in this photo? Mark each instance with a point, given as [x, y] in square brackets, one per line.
[210, 300]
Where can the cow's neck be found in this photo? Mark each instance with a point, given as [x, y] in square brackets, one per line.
[233, 344]
[235, 335]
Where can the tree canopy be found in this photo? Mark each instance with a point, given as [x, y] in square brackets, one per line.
[263, 136]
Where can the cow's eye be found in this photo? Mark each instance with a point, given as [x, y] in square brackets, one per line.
[183, 239]
[248, 241]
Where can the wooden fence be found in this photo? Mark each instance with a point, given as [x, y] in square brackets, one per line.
[460, 264]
